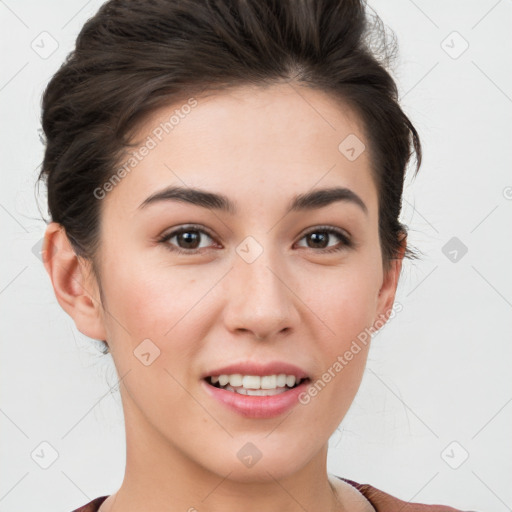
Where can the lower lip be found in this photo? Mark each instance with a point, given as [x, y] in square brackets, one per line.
[257, 406]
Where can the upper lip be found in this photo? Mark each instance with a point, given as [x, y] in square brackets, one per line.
[261, 369]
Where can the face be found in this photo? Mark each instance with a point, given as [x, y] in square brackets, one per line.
[266, 289]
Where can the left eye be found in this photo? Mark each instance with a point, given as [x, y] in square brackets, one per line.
[321, 236]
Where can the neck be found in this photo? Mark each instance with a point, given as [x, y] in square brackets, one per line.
[159, 476]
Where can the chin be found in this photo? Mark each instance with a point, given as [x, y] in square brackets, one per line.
[252, 461]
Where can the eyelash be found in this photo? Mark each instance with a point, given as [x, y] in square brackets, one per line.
[346, 241]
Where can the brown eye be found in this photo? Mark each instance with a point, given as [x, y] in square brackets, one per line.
[191, 239]
[321, 237]
[187, 240]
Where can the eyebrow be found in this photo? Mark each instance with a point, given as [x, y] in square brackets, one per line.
[308, 201]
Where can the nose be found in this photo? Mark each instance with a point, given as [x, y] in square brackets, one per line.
[260, 298]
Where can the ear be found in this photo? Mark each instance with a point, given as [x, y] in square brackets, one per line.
[387, 292]
[74, 283]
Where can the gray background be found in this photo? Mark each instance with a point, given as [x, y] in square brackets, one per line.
[437, 388]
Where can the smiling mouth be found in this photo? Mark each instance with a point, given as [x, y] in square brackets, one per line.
[255, 385]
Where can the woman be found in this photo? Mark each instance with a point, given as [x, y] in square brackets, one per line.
[224, 181]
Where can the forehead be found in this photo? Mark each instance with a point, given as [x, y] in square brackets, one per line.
[249, 140]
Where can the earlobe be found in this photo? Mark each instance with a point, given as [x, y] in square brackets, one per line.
[74, 285]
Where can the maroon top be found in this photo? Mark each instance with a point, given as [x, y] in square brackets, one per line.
[380, 501]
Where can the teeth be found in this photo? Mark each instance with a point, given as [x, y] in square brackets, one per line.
[269, 382]
[290, 380]
[249, 381]
[256, 392]
[255, 382]
[235, 380]
[281, 380]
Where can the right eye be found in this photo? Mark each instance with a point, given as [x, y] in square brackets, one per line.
[187, 240]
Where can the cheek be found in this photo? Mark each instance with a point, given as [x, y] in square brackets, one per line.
[152, 328]
[146, 301]
[345, 301]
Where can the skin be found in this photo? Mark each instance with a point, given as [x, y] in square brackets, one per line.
[294, 303]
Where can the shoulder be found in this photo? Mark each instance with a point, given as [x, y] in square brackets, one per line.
[384, 502]
[92, 506]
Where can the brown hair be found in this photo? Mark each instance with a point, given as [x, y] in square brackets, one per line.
[135, 56]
